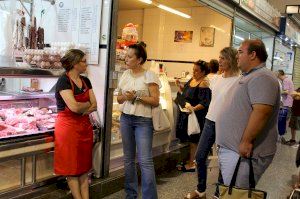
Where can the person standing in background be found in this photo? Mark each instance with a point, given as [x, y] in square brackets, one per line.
[294, 123]
[73, 130]
[287, 99]
[197, 96]
[213, 66]
[219, 86]
[246, 126]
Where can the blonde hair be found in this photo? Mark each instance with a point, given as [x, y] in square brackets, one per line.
[230, 54]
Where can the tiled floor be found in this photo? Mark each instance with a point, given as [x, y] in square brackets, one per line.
[277, 180]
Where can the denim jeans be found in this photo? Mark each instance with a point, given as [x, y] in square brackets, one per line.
[228, 160]
[137, 133]
[206, 141]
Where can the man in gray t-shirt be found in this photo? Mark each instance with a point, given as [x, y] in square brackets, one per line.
[247, 124]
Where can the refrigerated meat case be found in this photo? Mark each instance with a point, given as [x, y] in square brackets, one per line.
[26, 133]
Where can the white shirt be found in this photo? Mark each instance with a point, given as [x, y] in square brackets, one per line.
[219, 87]
[139, 83]
[211, 76]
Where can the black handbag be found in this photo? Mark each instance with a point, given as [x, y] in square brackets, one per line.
[180, 100]
[232, 192]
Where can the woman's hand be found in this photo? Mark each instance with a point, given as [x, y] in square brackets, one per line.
[179, 85]
[130, 95]
[189, 107]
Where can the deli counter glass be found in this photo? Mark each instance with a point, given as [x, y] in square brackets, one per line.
[27, 119]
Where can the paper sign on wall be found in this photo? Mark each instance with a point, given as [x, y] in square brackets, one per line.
[78, 21]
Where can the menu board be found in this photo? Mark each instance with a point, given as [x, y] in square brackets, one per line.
[78, 21]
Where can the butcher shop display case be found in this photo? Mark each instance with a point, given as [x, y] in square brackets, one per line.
[27, 118]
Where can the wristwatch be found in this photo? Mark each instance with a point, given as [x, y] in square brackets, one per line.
[138, 99]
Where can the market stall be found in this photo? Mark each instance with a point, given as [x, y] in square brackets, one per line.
[29, 69]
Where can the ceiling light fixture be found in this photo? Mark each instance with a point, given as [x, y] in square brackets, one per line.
[238, 37]
[166, 8]
[146, 1]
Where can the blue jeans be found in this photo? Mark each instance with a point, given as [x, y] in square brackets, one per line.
[206, 141]
[137, 132]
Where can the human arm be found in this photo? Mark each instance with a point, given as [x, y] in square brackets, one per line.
[93, 106]
[258, 119]
[179, 85]
[153, 98]
[72, 104]
[296, 95]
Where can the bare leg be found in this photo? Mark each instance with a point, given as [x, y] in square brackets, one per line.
[293, 132]
[193, 148]
[73, 183]
[84, 186]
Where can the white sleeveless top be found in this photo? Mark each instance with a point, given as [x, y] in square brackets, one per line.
[139, 83]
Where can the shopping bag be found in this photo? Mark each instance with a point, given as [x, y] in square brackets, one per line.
[180, 100]
[193, 125]
[295, 194]
[160, 119]
[232, 192]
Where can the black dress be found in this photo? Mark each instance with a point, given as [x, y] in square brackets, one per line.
[194, 95]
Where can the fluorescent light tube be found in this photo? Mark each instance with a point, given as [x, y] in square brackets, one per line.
[238, 37]
[166, 8]
[146, 1]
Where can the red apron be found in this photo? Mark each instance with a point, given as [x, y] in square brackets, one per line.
[73, 139]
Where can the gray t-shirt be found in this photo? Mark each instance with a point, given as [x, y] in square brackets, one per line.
[259, 86]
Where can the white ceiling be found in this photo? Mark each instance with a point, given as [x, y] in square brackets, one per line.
[136, 4]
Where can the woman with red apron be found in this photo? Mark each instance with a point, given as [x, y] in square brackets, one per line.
[73, 130]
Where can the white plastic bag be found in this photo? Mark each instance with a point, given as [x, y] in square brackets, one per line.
[193, 125]
[160, 119]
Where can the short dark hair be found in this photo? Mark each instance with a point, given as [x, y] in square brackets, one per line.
[213, 66]
[281, 72]
[203, 65]
[140, 51]
[72, 57]
[257, 46]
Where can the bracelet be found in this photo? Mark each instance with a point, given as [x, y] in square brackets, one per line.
[138, 99]
[134, 99]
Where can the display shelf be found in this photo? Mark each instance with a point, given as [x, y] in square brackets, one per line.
[10, 68]
[29, 72]
[22, 95]
[173, 80]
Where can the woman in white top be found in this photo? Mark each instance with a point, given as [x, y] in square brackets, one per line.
[138, 92]
[220, 86]
[213, 69]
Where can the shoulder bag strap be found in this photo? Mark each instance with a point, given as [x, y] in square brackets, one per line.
[251, 177]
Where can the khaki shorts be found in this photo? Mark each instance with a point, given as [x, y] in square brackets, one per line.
[295, 122]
